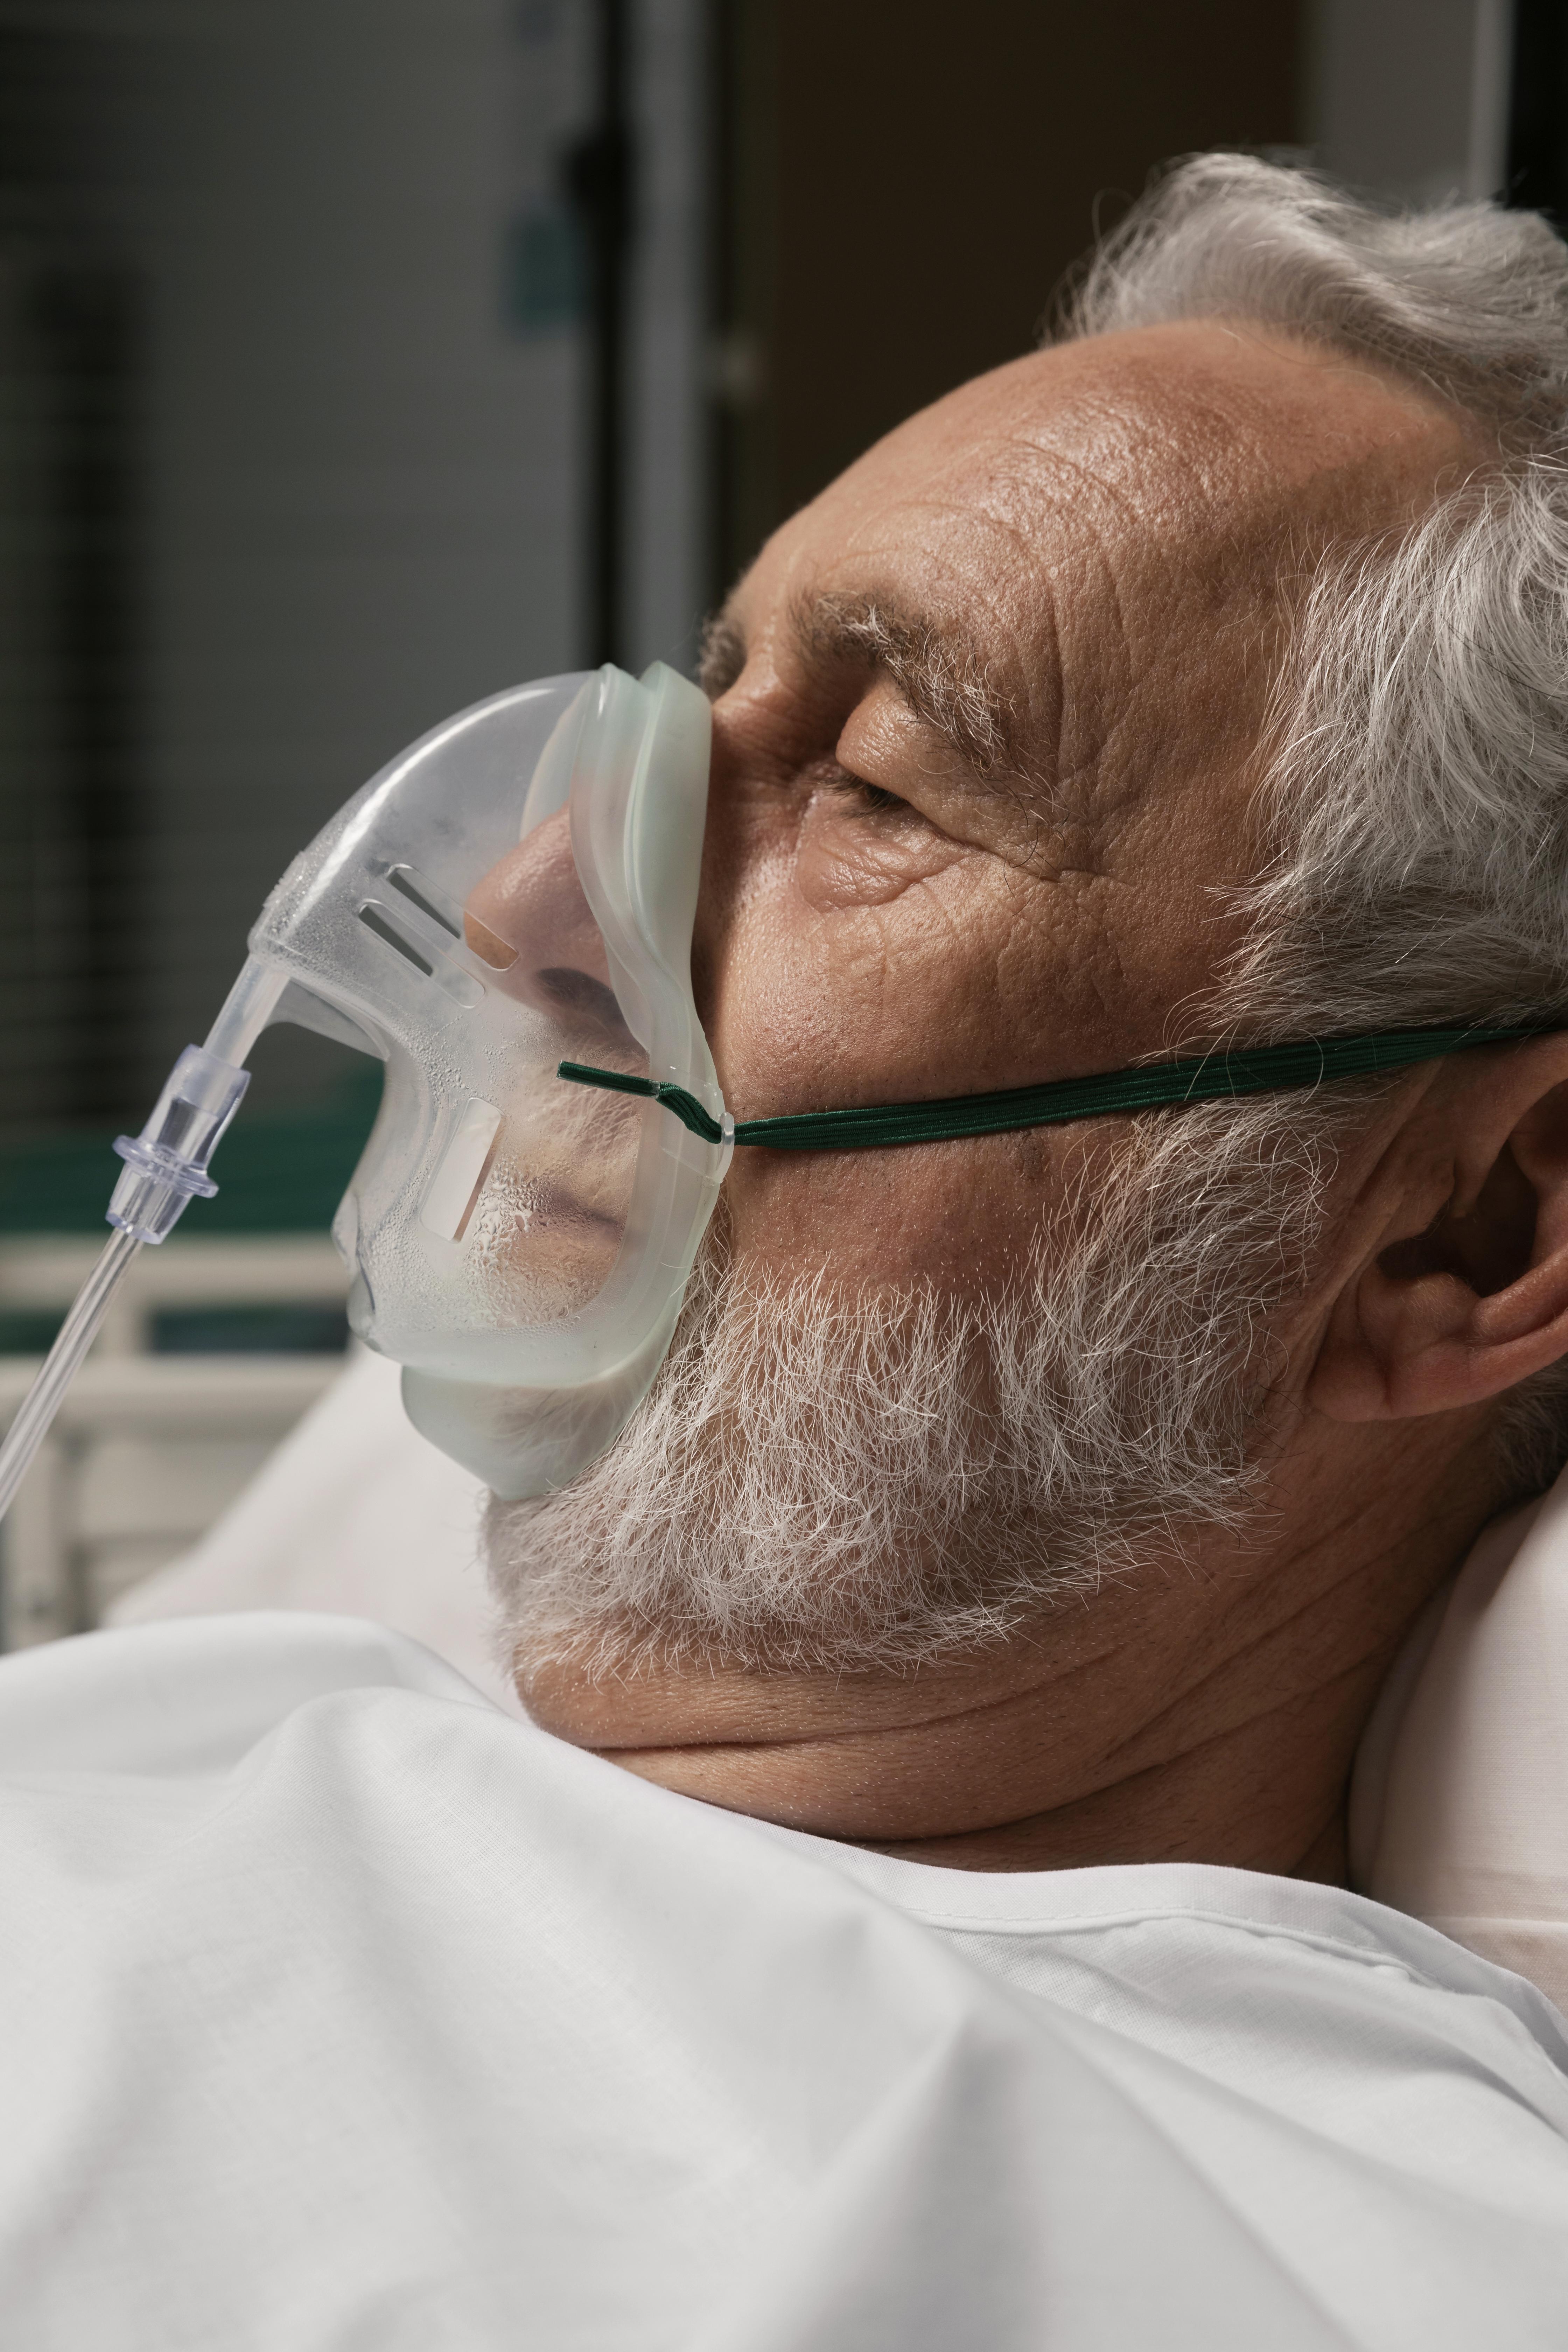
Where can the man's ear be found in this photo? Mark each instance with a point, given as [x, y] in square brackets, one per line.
[1465, 1291]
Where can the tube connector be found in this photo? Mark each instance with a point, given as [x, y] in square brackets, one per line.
[166, 1164]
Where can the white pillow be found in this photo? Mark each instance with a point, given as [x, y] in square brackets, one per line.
[1459, 1805]
[355, 1515]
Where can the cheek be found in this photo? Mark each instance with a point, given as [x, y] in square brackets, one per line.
[962, 1215]
[965, 977]
[845, 862]
[810, 1019]
[859, 1005]
[972, 979]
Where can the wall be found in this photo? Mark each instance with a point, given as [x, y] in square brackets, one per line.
[1410, 97]
[910, 187]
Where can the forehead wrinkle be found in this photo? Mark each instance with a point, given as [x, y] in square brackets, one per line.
[1076, 683]
[1179, 463]
[1190, 540]
[1076, 525]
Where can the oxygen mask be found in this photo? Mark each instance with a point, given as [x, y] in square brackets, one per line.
[516, 890]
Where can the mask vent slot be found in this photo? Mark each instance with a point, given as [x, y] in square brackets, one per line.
[426, 897]
[449, 1200]
[429, 963]
[375, 920]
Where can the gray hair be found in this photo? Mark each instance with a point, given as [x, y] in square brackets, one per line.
[1417, 785]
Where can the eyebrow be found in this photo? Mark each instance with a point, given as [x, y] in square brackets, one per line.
[936, 669]
[720, 651]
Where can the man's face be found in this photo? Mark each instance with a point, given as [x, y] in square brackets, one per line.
[979, 808]
[986, 727]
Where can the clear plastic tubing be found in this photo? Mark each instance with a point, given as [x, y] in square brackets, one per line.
[247, 1009]
[165, 1167]
[75, 1336]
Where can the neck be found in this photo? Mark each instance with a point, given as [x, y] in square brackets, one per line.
[1204, 1709]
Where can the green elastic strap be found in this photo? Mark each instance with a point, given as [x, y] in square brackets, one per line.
[1310, 1062]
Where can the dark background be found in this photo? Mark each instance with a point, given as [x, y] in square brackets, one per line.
[904, 207]
[1538, 128]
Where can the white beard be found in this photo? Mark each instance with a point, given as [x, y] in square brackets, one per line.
[831, 1483]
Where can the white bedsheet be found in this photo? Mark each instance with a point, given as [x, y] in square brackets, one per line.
[340, 2009]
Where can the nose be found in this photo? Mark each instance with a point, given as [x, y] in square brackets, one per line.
[529, 920]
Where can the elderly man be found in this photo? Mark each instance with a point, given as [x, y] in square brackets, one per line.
[1013, 1547]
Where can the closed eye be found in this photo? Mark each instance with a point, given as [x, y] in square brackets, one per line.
[873, 799]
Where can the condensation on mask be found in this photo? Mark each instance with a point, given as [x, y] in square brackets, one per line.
[515, 890]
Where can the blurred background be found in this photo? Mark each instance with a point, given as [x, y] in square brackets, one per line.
[360, 357]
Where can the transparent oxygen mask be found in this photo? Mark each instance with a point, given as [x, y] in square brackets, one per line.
[516, 890]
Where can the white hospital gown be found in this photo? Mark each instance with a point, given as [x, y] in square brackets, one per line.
[340, 2009]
